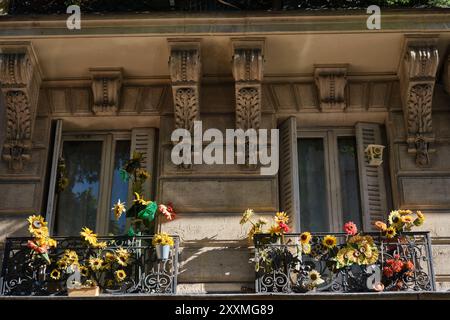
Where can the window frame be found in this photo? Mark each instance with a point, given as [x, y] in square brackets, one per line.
[108, 139]
[330, 137]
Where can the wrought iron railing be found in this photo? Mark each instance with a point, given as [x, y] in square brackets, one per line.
[283, 267]
[22, 275]
[19, 7]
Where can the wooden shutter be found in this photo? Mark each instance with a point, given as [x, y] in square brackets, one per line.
[143, 141]
[288, 173]
[372, 184]
[52, 197]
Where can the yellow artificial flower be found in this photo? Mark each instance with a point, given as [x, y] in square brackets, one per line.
[420, 219]
[89, 235]
[36, 222]
[391, 232]
[120, 275]
[246, 216]
[122, 256]
[329, 241]
[306, 248]
[140, 200]
[55, 274]
[305, 237]
[162, 239]
[84, 271]
[62, 264]
[39, 233]
[395, 219]
[420, 215]
[405, 212]
[110, 257]
[95, 263]
[407, 219]
[100, 245]
[51, 243]
[281, 217]
[314, 279]
[118, 209]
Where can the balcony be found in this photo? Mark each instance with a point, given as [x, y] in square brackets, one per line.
[23, 275]
[283, 267]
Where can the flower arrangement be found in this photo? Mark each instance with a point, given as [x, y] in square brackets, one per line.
[396, 269]
[163, 239]
[400, 221]
[101, 264]
[142, 212]
[41, 243]
[277, 229]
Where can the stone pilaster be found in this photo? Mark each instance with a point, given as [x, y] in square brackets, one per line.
[417, 79]
[20, 80]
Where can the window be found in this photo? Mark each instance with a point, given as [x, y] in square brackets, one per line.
[92, 163]
[328, 179]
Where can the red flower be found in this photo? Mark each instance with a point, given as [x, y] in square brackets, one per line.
[36, 248]
[167, 211]
[350, 228]
[284, 227]
[409, 265]
[388, 272]
[397, 266]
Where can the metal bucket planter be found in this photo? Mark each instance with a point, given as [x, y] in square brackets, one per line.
[162, 252]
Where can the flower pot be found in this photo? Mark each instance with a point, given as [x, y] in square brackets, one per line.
[84, 292]
[162, 251]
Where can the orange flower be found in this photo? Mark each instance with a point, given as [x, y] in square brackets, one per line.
[380, 225]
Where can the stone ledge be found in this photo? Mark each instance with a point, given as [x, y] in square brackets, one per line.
[271, 296]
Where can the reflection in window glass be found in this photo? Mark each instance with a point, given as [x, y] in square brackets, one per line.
[119, 187]
[348, 171]
[313, 191]
[77, 204]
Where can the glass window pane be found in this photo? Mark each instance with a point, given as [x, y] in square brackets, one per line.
[313, 191]
[348, 171]
[119, 187]
[77, 204]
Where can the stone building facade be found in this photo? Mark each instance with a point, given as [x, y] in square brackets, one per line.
[138, 77]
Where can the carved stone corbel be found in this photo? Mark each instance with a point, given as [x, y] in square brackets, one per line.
[331, 83]
[185, 74]
[20, 80]
[106, 86]
[417, 79]
[248, 61]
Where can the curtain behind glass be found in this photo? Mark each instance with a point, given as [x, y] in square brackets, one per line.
[313, 191]
[77, 204]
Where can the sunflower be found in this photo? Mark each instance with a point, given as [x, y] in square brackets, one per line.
[380, 225]
[62, 264]
[329, 241]
[120, 275]
[100, 245]
[306, 248]
[391, 232]
[39, 233]
[95, 263]
[395, 219]
[118, 209]
[55, 274]
[246, 216]
[314, 278]
[305, 237]
[36, 222]
[84, 271]
[281, 217]
[405, 212]
[51, 243]
[89, 236]
[110, 257]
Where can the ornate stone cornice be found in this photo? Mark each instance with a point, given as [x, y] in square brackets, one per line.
[248, 60]
[417, 79]
[331, 82]
[106, 88]
[185, 74]
[20, 80]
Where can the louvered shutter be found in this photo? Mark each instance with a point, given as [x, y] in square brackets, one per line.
[372, 184]
[52, 197]
[143, 141]
[288, 172]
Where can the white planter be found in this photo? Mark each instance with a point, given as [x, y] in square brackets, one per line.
[162, 252]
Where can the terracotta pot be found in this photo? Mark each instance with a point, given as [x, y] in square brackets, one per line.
[84, 292]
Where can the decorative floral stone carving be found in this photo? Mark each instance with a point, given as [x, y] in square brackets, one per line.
[20, 80]
[331, 83]
[185, 73]
[248, 109]
[106, 86]
[417, 81]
